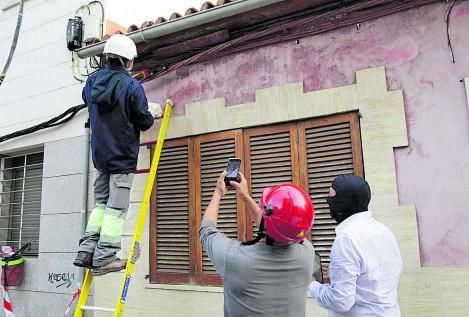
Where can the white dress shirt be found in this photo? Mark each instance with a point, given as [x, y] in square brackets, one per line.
[365, 268]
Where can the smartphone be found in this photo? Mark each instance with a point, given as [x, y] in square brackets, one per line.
[317, 266]
[232, 171]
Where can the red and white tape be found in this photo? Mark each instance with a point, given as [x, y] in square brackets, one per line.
[70, 302]
[7, 307]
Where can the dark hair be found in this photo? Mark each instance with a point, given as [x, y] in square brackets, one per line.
[115, 62]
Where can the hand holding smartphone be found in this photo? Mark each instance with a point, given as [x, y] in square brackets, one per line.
[232, 171]
[318, 274]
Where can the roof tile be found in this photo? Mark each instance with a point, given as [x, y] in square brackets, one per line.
[174, 16]
[147, 24]
[207, 5]
[191, 11]
[160, 20]
[132, 28]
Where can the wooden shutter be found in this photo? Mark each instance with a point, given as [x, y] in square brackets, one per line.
[170, 223]
[214, 151]
[270, 158]
[332, 148]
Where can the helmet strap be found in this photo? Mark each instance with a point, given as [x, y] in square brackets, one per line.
[260, 235]
[124, 66]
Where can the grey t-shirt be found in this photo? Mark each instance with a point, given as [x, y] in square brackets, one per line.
[260, 280]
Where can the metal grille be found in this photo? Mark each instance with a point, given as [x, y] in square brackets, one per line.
[20, 200]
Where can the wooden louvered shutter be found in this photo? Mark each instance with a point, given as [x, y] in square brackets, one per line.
[270, 158]
[214, 151]
[332, 147]
[170, 224]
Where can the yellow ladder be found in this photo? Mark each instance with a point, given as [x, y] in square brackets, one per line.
[135, 247]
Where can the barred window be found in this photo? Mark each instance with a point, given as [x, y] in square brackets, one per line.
[20, 200]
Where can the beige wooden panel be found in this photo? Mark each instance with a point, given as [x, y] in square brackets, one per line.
[273, 105]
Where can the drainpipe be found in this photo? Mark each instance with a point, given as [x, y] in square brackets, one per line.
[183, 23]
[84, 187]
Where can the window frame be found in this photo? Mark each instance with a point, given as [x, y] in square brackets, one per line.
[299, 166]
[21, 228]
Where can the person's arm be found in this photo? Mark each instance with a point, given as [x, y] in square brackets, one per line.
[214, 242]
[251, 205]
[143, 118]
[211, 213]
[344, 270]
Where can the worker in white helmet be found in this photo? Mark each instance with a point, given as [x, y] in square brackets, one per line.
[118, 111]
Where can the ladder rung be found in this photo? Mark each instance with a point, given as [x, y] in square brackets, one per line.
[95, 308]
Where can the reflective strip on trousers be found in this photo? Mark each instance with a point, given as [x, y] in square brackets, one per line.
[96, 219]
[112, 227]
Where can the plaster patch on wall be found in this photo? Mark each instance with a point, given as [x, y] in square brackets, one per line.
[400, 51]
[462, 11]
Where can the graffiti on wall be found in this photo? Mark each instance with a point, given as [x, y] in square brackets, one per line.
[61, 279]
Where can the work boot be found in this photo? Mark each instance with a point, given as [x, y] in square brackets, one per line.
[115, 266]
[84, 259]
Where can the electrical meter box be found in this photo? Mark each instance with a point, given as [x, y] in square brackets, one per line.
[74, 33]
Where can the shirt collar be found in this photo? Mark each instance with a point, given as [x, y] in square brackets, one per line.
[352, 219]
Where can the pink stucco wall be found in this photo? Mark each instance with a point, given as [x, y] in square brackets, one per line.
[433, 172]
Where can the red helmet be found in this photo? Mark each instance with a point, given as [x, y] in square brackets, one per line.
[288, 213]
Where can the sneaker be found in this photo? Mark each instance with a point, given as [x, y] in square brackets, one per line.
[84, 259]
[115, 266]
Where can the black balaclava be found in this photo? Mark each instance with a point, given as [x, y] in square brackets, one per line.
[352, 196]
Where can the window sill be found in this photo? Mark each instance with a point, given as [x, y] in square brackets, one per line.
[186, 288]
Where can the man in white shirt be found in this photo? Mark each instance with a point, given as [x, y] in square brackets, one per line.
[365, 260]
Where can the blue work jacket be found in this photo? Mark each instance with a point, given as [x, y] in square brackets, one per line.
[118, 111]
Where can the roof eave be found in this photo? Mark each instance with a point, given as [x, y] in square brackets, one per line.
[183, 23]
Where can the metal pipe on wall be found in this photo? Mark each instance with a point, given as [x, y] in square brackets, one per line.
[183, 23]
[84, 187]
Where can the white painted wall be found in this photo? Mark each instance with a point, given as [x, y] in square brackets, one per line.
[39, 84]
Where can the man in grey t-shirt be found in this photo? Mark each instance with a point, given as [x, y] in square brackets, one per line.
[268, 276]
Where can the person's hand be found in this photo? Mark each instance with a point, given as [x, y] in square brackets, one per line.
[325, 272]
[155, 110]
[242, 186]
[313, 288]
[221, 186]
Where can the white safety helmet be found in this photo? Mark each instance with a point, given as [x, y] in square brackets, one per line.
[120, 46]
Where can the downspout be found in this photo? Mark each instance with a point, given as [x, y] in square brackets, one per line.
[183, 23]
[84, 187]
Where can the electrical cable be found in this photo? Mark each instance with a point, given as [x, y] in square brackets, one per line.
[448, 29]
[13, 44]
[60, 119]
[102, 16]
